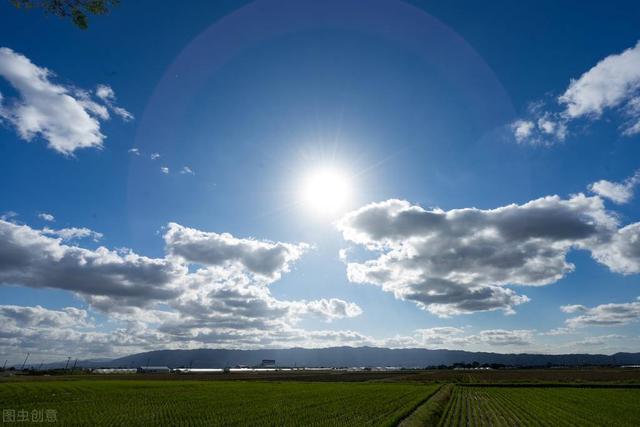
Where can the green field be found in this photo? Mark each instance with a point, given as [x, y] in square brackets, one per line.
[365, 399]
[539, 406]
[184, 402]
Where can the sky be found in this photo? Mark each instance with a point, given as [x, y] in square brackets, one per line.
[277, 174]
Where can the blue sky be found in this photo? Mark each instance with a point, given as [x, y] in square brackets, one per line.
[442, 106]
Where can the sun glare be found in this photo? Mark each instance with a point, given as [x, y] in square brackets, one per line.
[326, 190]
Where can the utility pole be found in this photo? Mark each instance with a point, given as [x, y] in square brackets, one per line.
[148, 361]
[40, 365]
[5, 364]
[74, 365]
[67, 365]
[25, 361]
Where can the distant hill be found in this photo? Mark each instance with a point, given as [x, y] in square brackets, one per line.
[355, 356]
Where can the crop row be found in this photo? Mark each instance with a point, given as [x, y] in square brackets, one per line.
[519, 406]
[131, 403]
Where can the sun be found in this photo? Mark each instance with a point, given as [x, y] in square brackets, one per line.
[326, 190]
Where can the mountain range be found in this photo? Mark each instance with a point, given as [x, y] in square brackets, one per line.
[352, 357]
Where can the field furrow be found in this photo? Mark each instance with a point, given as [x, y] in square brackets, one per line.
[541, 406]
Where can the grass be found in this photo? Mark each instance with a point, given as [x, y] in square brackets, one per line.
[430, 412]
[144, 402]
[536, 406]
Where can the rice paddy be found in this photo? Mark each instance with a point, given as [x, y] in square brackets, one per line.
[371, 401]
[233, 403]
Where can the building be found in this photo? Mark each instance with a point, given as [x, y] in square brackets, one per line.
[114, 371]
[154, 370]
[268, 363]
[197, 370]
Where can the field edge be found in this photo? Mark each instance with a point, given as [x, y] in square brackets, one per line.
[429, 411]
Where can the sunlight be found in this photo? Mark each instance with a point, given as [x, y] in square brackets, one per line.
[326, 190]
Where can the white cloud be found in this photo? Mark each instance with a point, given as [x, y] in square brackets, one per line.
[46, 217]
[73, 233]
[558, 332]
[600, 340]
[443, 335]
[106, 94]
[621, 252]
[267, 259]
[541, 128]
[186, 170]
[69, 317]
[452, 337]
[6, 216]
[209, 289]
[51, 335]
[460, 261]
[122, 113]
[612, 84]
[617, 192]
[501, 337]
[28, 257]
[134, 151]
[155, 156]
[603, 315]
[165, 170]
[66, 117]
[333, 308]
[523, 129]
[572, 308]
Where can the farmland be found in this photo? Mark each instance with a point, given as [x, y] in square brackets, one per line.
[602, 396]
[180, 402]
[536, 406]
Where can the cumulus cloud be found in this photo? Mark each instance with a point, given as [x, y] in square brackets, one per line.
[164, 169]
[603, 315]
[617, 192]
[268, 259]
[186, 170]
[459, 261]
[209, 289]
[612, 84]
[541, 128]
[155, 156]
[46, 217]
[333, 308]
[66, 117]
[29, 257]
[621, 252]
[134, 151]
[69, 317]
[51, 335]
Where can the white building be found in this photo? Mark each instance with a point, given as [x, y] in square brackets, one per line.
[154, 369]
[114, 371]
